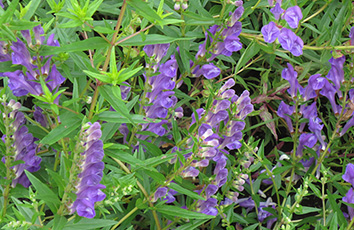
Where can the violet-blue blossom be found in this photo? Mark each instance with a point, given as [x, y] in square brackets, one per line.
[23, 145]
[270, 32]
[289, 41]
[292, 16]
[348, 176]
[351, 35]
[315, 126]
[88, 188]
[349, 198]
[315, 82]
[285, 111]
[336, 73]
[277, 11]
[329, 91]
[290, 75]
[209, 71]
[24, 82]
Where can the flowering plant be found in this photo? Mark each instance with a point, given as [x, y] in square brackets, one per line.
[176, 114]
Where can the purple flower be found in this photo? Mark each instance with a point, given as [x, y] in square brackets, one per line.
[160, 192]
[316, 127]
[336, 74]
[89, 187]
[21, 55]
[232, 44]
[306, 139]
[292, 16]
[277, 11]
[39, 116]
[23, 145]
[289, 41]
[190, 172]
[349, 124]
[211, 190]
[351, 36]
[209, 71]
[348, 176]
[270, 32]
[315, 82]
[349, 198]
[329, 91]
[221, 177]
[236, 15]
[208, 206]
[157, 51]
[308, 112]
[290, 75]
[285, 111]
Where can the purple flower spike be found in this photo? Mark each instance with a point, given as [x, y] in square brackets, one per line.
[91, 166]
[1, 4]
[277, 11]
[292, 16]
[270, 32]
[23, 145]
[348, 176]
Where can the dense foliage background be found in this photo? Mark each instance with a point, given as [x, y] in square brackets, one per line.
[176, 114]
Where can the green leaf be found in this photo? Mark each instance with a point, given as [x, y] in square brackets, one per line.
[180, 212]
[193, 224]
[251, 50]
[22, 25]
[145, 10]
[99, 76]
[116, 117]
[88, 44]
[59, 222]
[44, 193]
[116, 103]
[62, 130]
[124, 156]
[9, 11]
[85, 224]
[151, 39]
[175, 131]
[32, 7]
[103, 30]
[184, 191]
[305, 210]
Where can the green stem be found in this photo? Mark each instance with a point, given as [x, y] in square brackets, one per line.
[105, 65]
[122, 165]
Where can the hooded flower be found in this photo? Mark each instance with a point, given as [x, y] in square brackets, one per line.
[23, 145]
[91, 171]
[292, 16]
